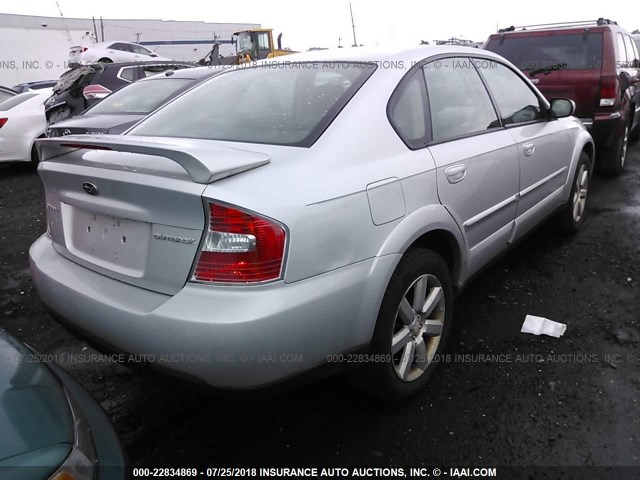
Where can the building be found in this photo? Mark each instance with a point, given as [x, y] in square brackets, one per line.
[37, 48]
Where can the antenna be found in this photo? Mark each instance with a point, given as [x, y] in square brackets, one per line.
[353, 26]
[63, 22]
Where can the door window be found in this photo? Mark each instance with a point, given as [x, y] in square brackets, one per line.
[516, 102]
[458, 101]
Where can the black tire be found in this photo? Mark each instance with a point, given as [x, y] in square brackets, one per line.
[105, 60]
[571, 217]
[35, 158]
[381, 376]
[610, 161]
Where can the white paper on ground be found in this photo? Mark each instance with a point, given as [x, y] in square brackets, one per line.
[542, 326]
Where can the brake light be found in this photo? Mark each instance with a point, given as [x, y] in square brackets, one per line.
[93, 92]
[608, 88]
[3, 121]
[240, 247]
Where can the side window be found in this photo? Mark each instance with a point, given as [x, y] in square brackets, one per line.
[459, 102]
[127, 73]
[140, 50]
[407, 112]
[622, 52]
[517, 103]
[115, 46]
[631, 54]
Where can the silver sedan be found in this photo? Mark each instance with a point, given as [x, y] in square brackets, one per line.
[318, 210]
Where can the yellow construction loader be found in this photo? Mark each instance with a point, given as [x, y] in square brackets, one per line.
[257, 44]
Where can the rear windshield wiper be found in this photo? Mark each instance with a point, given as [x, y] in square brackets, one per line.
[550, 68]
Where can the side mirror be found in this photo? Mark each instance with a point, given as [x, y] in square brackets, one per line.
[153, 54]
[562, 107]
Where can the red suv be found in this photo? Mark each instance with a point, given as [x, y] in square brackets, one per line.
[594, 63]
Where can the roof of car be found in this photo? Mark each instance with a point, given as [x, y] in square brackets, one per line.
[190, 73]
[378, 55]
[146, 64]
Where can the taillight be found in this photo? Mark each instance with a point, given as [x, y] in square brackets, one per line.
[92, 92]
[3, 121]
[608, 88]
[240, 247]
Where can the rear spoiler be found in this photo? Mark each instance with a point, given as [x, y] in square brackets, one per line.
[204, 161]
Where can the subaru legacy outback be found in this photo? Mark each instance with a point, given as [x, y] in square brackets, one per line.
[281, 216]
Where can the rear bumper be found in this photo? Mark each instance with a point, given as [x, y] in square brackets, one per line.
[15, 148]
[234, 338]
[605, 129]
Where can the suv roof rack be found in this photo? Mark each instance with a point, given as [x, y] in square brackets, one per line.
[541, 26]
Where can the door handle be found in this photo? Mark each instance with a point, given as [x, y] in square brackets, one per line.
[528, 148]
[456, 173]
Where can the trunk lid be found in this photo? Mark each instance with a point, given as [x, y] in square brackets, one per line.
[132, 207]
[94, 124]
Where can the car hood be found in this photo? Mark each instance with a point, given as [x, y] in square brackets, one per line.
[34, 410]
[95, 124]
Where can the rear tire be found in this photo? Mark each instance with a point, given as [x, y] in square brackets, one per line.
[611, 160]
[412, 329]
[569, 220]
[105, 60]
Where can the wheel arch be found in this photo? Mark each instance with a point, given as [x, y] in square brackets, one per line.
[432, 228]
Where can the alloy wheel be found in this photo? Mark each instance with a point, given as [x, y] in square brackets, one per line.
[418, 327]
[580, 193]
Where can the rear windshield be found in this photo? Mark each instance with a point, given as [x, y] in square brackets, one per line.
[279, 104]
[571, 51]
[142, 97]
[15, 101]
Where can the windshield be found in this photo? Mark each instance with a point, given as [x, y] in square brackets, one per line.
[280, 104]
[141, 97]
[566, 52]
[244, 43]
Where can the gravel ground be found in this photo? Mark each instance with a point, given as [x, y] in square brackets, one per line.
[501, 398]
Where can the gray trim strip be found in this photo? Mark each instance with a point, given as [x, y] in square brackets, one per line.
[490, 211]
[531, 188]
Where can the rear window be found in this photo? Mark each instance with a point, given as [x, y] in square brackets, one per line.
[142, 97]
[279, 104]
[15, 101]
[571, 51]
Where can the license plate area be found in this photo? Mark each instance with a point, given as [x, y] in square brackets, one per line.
[117, 244]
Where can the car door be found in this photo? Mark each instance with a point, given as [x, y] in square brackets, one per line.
[632, 69]
[476, 158]
[545, 146]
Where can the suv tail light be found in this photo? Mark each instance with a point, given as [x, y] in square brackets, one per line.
[93, 92]
[240, 247]
[3, 121]
[608, 89]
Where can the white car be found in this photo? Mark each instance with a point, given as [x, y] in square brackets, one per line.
[111, 52]
[22, 121]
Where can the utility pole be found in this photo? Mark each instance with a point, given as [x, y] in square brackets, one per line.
[339, 42]
[95, 29]
[138, 37]
[353, 26]
[102, 28]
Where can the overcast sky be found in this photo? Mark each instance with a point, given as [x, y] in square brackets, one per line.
[397, 23]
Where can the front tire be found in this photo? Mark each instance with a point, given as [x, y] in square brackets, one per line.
[571, 217]
[412, 328]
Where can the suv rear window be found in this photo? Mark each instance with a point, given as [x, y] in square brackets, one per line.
[577, 51]
[278, 104]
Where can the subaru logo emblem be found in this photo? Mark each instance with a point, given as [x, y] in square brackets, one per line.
[90, 188]
[66, 131]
